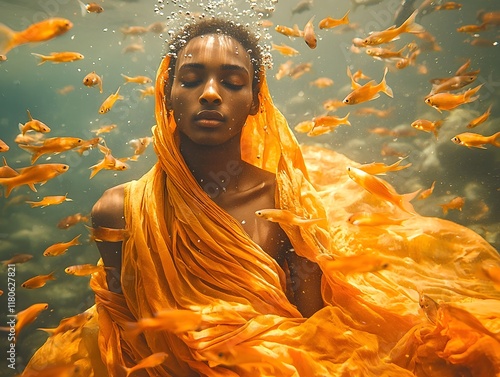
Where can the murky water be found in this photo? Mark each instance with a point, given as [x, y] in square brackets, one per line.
[458, 171]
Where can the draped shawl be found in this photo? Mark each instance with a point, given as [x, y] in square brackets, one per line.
[186, 253]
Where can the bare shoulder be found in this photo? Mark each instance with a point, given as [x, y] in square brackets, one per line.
[108, 210]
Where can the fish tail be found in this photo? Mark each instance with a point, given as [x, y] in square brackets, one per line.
[410, 26]
[49, 331]
[43, 58]
[437, 127]
[7, 39]
[83, 8]
[384, 87]
[495, 139]
[405, 204]
[7, 188]
[345, 120]
[470, 94]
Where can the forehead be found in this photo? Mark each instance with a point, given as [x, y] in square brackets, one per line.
[214, 49]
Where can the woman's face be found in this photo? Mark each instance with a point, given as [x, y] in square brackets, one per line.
[211, 94]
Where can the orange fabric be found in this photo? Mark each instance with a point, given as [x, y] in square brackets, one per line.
[184, 252]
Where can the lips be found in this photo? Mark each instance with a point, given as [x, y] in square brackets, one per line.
[209, 118]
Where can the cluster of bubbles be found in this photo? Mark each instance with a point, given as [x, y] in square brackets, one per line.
[249, 13]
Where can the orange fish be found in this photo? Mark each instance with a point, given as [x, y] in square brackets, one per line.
[3, 58]
[38, 281]
[33, 125]
[368, 91]
[428, 126]
[304, 126]
[382, 189]
[385, 54]
[71, 220]
[377, 112]
[33, 174]
[104, 129]
[489, 18]
[480, 119]
[373, 219]
[90, 8]
[104, 234]
[289, 31]
[53, 145]
[137, 79]
[61, 247]
[3, 146]
[327, 123]
[83, 269]
[322, 82]
[353, 264]
[449, 101]
[65, 90]
[429, 306]
[309, 34]
[473, 29]
[17, 259]
[427, 192]
[159, 27]
[38, 32]
[68, 324]
[110, 101]
[286, 217]
[329, 22]
[472, 140]
[151, 361]
[393, 33]
[134, 47]
[88, 144]
[174, 321]
[29, 315]
[149, 91]
[134, 30]
[59, 57]
[284, 49]
[139, 145]
[451, 83]
[49, 201]
[381, 168]
[93, 79]
[450, 5]
[382, 131]
[455, 203]
[109, 162]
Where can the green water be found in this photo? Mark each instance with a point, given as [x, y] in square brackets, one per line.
[458, 171]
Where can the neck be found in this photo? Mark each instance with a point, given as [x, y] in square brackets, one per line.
[216, 168]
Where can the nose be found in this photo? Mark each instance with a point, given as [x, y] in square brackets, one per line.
[210, 93]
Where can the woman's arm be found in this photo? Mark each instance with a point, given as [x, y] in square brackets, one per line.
[305, 279]
[108, 212]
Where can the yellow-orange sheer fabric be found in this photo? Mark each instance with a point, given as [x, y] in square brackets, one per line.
[186, 253]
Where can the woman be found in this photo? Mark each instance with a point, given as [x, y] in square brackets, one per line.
[210, 289]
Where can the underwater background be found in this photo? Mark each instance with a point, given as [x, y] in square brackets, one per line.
[55, 94]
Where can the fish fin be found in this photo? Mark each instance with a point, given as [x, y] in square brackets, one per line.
[83, 8]
[410, 26]
[43, 59]
[386, 88]
[496, 139]
[405, 204]
[7, 37]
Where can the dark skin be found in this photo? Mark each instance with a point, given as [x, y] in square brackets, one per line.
[211, 96]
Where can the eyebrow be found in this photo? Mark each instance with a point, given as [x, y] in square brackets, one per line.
[224, 67]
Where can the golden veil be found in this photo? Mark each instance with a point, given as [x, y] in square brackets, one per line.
[186, 253]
